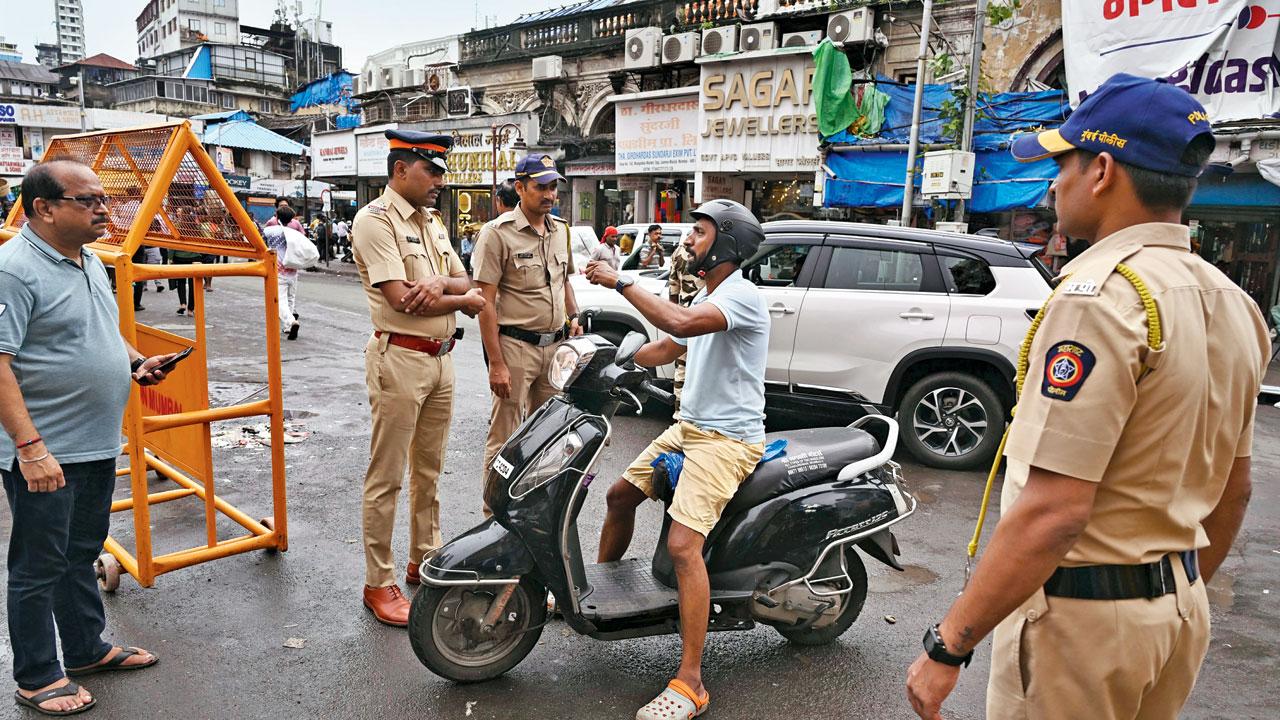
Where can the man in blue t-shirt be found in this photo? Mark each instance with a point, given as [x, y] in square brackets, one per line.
[721, 427]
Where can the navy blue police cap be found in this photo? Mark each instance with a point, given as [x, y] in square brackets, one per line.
[538, 168]
[432, 148]
[1140, 122]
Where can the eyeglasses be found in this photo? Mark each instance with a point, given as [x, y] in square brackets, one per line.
[88, 202]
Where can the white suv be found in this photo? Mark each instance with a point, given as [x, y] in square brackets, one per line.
[871, 318]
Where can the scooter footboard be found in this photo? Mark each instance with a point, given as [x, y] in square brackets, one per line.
[487, 554]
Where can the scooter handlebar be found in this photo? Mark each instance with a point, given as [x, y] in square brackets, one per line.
[658, 393]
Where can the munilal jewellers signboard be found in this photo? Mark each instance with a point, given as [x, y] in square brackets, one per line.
[758, 115]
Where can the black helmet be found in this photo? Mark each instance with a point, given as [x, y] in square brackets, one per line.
[738, 233]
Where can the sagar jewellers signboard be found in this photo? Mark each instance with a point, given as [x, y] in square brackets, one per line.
[1224, 52]
[757, 114]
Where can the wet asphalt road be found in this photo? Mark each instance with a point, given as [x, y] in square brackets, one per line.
[220, 627]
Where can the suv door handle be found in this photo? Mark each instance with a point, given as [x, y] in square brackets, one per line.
[916, 315]
[780, 308]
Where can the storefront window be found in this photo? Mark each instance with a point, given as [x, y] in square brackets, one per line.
[790, 199]
[471, 209]
[618, 206]
[1246, 252]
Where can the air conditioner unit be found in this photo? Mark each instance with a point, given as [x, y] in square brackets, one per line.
[458, 102]
[720, 40]
[760, 36]
[415, 77]
[955, 227]
[680, 48]
[807, 38]
[548, 67]
[947, 174]
[641, 48]
[852, 26]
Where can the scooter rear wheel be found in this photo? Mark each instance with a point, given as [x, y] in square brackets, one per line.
[852, 607]
[445, 629]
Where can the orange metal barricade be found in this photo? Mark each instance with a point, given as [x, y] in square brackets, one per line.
[167, 192]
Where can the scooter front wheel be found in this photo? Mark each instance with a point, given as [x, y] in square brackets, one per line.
[449, 633]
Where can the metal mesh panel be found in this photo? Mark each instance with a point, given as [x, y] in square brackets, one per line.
[126, 162]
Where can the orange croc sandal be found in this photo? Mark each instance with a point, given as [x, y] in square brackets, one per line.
[677, 702]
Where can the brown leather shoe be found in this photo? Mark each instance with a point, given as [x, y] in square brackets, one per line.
[411, 575]
[388, 605]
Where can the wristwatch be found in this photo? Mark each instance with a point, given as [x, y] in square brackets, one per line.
[936, 649]
[137, 363]
[624, 283]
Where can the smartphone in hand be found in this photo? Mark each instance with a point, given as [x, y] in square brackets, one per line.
[169, 364]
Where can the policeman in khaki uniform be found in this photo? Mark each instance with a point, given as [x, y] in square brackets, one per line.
[414, 282]
[1128, 457]
[522, 265]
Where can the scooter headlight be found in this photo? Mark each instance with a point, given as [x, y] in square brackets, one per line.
[553, 459]
[570, 358]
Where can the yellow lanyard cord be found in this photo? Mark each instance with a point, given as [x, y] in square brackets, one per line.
[1155, 341]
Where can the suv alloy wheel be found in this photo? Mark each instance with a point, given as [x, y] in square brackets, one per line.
[951, 420]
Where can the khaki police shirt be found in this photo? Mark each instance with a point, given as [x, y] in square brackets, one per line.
[1160, 449]
[393, 240]
[529, 271]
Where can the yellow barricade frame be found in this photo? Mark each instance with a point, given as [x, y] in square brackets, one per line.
[160, 162]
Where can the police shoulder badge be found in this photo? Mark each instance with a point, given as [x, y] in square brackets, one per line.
[1081, 287]
[1066, 366]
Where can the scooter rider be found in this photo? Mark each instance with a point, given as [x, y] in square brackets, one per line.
[721, 428]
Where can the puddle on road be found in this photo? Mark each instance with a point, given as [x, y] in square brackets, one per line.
[1221, 591]
[911, 576]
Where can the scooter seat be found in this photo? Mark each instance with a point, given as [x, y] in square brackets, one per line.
[813, 456]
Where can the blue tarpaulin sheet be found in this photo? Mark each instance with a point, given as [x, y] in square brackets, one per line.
[333, 90]
[1238, 190]
[874, 178]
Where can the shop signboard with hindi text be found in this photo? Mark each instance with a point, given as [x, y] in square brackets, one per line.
[757, 115]
[1224, 52]
[11, 161]
[656, 135]
[472, 157]
[372, 148]
[8, 136]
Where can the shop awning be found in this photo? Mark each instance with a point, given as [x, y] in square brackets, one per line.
[869, 172]
[248, 135]
[1236, 190]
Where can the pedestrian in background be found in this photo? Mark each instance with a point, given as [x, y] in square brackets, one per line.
[522, 265]
[65, 374]
[276, 237]
[607, 250]
[651, 255]
[343, 233]
[507, 197]
[1129, 454]
[414, 283]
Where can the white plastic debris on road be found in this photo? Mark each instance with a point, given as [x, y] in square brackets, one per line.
[256, 435]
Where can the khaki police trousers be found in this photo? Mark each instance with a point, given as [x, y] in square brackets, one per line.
[1063, 658]
[411, 398]
[529, 390]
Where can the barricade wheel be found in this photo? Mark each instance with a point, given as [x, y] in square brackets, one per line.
[108, 570]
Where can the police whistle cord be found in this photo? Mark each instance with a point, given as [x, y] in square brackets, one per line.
[1155, 342]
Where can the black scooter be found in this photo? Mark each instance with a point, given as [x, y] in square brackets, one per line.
[782, 554]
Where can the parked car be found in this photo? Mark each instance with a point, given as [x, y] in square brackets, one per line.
[870, 318]
[672, 235]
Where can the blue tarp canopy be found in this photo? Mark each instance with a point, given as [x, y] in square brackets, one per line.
[335, 89]
[874, 178]
[248, 135]
[1236, 190]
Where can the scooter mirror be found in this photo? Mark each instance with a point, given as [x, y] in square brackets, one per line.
[628, 348]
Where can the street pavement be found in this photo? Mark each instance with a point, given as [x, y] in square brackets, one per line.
[221, 628]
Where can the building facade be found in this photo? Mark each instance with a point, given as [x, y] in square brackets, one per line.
[70, 24]
[167, 26]
[99, 73]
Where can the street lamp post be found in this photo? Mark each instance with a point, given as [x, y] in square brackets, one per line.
[493, 141]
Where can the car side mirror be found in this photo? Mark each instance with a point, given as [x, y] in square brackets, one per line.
[628, 348]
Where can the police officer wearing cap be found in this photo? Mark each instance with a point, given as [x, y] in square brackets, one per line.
[414, 282]
[522, 265]
[1128, 456]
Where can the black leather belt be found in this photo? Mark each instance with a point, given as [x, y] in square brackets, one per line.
[533, 338]
[1122, 582]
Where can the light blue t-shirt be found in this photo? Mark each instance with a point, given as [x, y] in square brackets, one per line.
[60, 323]
[724, 374]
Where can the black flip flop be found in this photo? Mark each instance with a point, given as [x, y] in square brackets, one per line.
[115, 664]
[69, 690]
